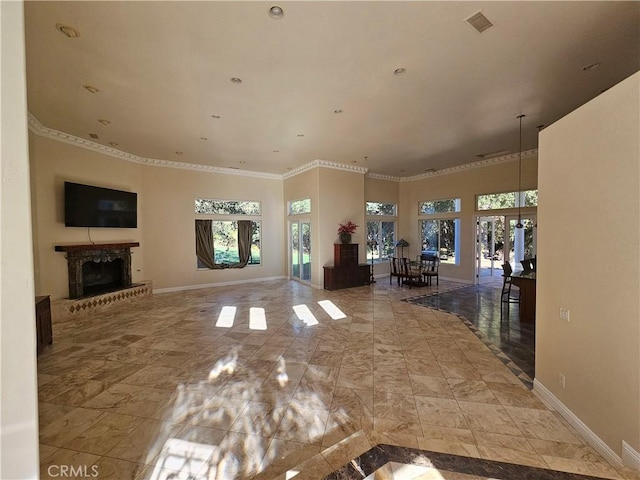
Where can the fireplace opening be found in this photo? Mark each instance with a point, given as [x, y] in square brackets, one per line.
[102, 277]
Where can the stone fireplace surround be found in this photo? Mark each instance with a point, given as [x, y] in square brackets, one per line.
[78, 255]
[65, 309]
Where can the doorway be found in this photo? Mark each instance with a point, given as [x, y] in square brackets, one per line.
[489, 249]
[520, 243]
[300, 250]
[498, 241]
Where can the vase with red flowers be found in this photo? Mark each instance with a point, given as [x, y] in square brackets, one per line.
[345, 230]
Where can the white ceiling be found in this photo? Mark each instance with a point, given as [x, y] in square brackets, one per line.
[163, 68]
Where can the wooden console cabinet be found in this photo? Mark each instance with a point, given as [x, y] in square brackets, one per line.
[44, 332]
[346, 271]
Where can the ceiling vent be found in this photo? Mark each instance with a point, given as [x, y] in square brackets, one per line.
[479, 22]
[499, 153]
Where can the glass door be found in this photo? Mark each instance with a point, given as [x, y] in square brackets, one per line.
[300, 250]
[520, 243]
[489, 249]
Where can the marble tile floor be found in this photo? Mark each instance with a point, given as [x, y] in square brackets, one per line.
[279, 380]
[480, 305]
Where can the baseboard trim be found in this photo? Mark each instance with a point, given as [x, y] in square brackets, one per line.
[217, 284]
[596, 442]
[630, 458]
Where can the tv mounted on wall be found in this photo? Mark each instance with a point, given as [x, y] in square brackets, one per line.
[89, 206]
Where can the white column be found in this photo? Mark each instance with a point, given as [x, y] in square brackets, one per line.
[18, 390]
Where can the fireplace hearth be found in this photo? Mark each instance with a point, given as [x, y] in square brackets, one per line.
[95, 269]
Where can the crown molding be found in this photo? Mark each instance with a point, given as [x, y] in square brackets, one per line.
[380, 176]
[470, 166]
[324, 164]
[37, 128]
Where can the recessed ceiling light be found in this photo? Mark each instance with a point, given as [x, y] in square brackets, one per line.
[354, 161]
[203, 138]
[236, 80]
[400, 71]
[91, 88]
[276, 151]
[113, 144]
[178, 153]
[301, 134]
[337, 110]
[94, 135]
[215, 116]
[276, 12]
[242, 162]
[591, 66]
[289, 168]
[104, 122]
[67, 30]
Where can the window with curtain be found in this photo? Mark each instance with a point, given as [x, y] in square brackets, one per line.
[227, 243]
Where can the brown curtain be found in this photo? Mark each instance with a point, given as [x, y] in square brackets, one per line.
[244, 242]
[204, 243]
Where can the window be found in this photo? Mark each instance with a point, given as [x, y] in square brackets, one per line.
[380, 239]
[496, 201]
[298, 207]
[229, 242]
[227, 207]
[381, 233]
[376, 208]
[226, 244]
[441, 238]
[440, 206]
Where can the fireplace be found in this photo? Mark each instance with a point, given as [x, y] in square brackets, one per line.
[97, 268]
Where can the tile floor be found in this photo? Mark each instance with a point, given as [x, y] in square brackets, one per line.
[480, 305]
[264, 380]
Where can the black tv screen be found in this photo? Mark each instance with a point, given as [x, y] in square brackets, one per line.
[89, 206]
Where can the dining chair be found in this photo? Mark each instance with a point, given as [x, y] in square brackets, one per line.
[507, 296]
[429, 269]
[408, 273]
[394, 269]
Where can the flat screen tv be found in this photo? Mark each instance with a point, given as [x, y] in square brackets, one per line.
[89, 206]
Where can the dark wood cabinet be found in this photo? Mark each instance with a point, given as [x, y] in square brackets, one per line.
[44, 332]
[346, 271]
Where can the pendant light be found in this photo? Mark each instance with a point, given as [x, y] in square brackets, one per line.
[519, 193]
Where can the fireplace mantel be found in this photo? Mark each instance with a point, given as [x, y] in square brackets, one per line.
[79, 254]
[94, 246]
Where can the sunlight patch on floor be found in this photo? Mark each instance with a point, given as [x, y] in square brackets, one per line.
[332, 310]
[305, 315]
[257, 319]
[226, 317]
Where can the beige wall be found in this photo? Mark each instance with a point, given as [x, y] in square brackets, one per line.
[51, 164]
[341, 200]
[465, 185]
[169, 225]
[336, 197]
[588, 237]
[18, 389]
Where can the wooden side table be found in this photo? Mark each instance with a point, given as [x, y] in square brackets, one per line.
[44, 331]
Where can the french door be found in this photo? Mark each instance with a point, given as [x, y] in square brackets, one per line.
[489, 248]
[499, 241]
[300, 250]
[520, 243]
